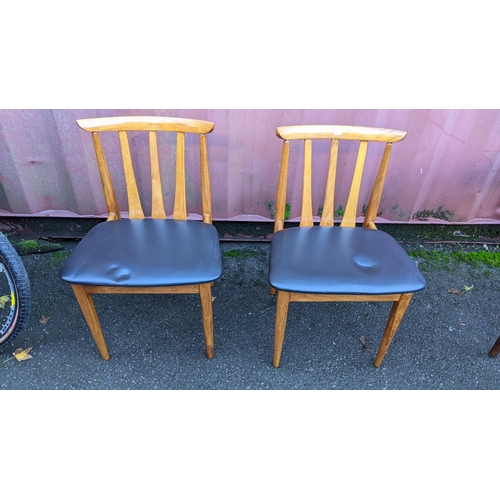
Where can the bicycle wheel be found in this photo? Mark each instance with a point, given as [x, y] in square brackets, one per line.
[15, 293]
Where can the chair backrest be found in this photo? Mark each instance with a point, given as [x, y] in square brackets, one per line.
[152, 125]
[333, 133]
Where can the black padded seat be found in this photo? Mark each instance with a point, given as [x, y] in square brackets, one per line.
[145, 253]
[360, 262]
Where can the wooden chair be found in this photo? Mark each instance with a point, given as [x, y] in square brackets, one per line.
[329, 263]
[152, 254]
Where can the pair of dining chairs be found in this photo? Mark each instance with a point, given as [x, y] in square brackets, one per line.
[309, 262]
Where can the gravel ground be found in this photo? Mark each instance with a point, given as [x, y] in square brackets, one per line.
[156, 342]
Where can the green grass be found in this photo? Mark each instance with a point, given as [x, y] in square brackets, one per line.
[440, 213]
[438, 259]
[490, 259]
[60, 256]
[272, 213]
[439, 232]
[238, 254]
[28, 244]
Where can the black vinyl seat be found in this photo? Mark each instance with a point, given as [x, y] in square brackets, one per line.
[341, 260]
[145, 253]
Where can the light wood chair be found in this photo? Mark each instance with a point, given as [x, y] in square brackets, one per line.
[329, 263]
[147, 254]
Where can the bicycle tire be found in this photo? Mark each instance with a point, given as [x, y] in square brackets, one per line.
[13, 322]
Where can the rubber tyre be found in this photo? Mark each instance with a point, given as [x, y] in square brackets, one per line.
[15, 268]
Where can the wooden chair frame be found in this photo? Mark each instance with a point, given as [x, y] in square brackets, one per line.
[333, 133]
[152, 125]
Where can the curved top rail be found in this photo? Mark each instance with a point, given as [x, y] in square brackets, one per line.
[157, 123]
[346, 132]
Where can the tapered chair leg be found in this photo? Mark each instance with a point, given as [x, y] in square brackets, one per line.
[280, 324]
[397, 312]
[495, 350]
[208, 322]
[88, 309]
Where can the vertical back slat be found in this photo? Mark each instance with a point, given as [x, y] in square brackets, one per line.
[373, 204]
[327, 216]
[279, 217]
[180, 212]
[349, 219]
[134, 202]
[158, 207]
[206, 197]
[107, 184]
[306, 218]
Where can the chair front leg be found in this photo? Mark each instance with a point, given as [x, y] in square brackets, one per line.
[397, 312]
[208, 322]
[88, 309]
[280, 324]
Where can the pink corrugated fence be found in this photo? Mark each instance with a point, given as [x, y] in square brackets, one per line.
[447, 168]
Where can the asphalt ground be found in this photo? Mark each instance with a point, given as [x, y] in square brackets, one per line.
[156, 342]
[77, 426]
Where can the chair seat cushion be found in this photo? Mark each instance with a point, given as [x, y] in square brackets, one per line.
[146, 252]
[335, 260]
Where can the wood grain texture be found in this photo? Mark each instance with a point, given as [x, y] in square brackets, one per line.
[87, 306]
[349, 218]
[157, 123]
[134, 201]
[180, 211]
[280, 324]
[306, 217]
[326, 297]
[397, 312]
[378, 186]
[96, 289]
[107, 183]
[207, 316]
[345, 132]
[206, 197]
[279, 217]
[158, 207]
[328, 214]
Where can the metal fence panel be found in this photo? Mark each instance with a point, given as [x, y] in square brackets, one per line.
[446, 168]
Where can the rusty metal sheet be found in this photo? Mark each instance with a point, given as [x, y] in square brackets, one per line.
[447, 168]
